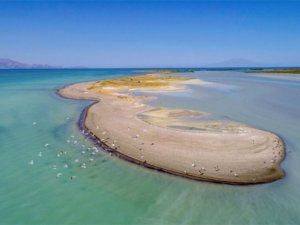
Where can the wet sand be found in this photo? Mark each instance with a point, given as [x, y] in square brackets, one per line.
[218, 152]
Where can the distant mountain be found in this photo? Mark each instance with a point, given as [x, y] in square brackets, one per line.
[11, 64]
[238, 62]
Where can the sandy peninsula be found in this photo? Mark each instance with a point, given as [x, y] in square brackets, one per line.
[167, 140]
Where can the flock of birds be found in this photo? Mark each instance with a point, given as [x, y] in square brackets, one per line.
[87, 154]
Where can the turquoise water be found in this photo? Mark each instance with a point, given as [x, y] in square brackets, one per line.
[112, 191]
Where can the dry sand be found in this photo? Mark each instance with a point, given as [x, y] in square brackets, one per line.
[218, 152]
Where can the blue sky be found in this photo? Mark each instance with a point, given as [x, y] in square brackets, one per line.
[149, 33]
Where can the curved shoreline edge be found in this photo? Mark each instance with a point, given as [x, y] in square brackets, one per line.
[82, 126]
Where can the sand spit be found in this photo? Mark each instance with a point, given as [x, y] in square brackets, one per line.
[218, 152]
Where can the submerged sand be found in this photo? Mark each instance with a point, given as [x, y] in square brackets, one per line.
[163, 139]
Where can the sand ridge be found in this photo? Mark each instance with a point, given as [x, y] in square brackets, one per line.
[229, 153]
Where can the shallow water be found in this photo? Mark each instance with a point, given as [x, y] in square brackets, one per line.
[112, 191]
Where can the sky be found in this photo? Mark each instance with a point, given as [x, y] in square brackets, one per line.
[150, 33]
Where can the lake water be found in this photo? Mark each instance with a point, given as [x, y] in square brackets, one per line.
[112, 191]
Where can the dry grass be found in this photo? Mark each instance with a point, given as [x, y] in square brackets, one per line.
[285, 71]
[126, 83]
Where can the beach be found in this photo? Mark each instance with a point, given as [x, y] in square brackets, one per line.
[158, 138]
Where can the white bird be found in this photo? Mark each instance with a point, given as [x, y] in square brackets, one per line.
[72, 136]
[75, 142]
[58, 175]
[46, 145]
[40, 154]
[83, 152]
[193, 165]
[34, 123]
[83, 166]
[54, 167]
[31, 162]
[76, 160]
[91, 159]
[66, 166]
[68, 141]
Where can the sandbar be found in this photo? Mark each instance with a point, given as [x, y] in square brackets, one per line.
[165, 139]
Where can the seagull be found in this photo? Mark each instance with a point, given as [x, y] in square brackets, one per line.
[46, 145]
[31, 162]
[58, 175]
[193, 165]
[66, 166]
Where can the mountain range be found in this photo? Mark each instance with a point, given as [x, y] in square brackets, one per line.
[12, 64]
[235, 62]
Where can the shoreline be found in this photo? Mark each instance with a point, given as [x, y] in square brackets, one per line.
[82, 123]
